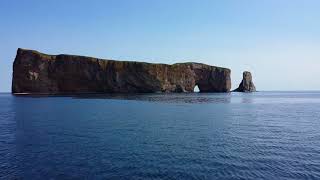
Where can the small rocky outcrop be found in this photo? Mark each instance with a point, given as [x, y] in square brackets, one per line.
[38, 73]
[246, 84]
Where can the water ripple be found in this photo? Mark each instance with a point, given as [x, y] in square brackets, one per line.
[265, 135]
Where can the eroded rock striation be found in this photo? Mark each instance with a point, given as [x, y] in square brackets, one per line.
[38, 73]
[246, 84]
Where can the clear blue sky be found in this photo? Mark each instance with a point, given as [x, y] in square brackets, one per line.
[277, 40]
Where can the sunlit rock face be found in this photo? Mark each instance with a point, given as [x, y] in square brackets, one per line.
[246, 84]
[39, 73]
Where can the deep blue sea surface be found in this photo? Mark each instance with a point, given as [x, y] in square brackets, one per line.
[264, 135]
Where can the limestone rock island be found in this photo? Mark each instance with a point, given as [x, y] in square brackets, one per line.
[246, 84]
[38, 73]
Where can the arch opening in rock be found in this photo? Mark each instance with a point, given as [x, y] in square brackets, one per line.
[196, 89]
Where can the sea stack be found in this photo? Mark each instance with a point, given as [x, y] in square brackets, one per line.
[246, 84]
[38, 73]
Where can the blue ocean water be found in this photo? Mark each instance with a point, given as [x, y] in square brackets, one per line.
[263, 135]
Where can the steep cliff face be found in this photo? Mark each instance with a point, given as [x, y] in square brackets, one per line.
[35, 73]
[246, 84]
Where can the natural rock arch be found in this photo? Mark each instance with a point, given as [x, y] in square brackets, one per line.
[35, 72]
